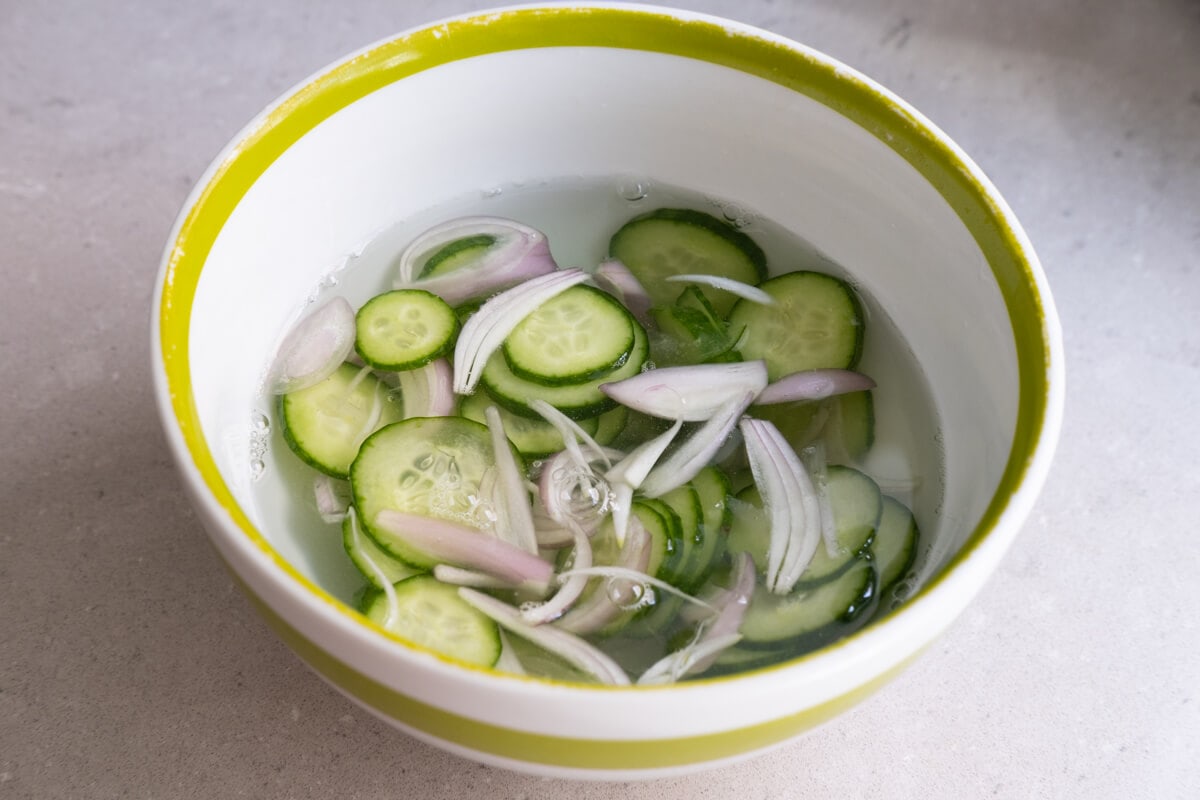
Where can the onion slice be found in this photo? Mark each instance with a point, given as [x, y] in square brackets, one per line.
[732, 609]
[516, 519]
[693, 393]
[563, 644]
[517, 253]
[488, 327]
[381, 577]
[314, 347]
[469, 577]
[628, 474]
[332, 497]
[790, 501]
[615, 278]
[428, 391]
[697, 451]
[683, 661]
[571, 433]
[460, 546]
[570, 590]
[744, 290]
[813, 384]
[601, 607]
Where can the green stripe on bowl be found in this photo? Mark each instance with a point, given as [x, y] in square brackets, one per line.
[556, 751]
[600, 27]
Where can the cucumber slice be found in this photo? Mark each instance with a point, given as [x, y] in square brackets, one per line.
[404, 329]
[666, 531]
[846, 424]
[895, 545]
[573, 337]
[712, 489]
[831, 606]
[325, 423]
[430, 613]
[578, 401]
[680, 241]
[856, 504]
[533, 438]
[816, 322]
[850, 430]
[431, 466]
[685, 502]
[610, 424]
[459, 253]
[369, 558]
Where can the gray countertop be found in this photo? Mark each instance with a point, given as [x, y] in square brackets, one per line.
[131, 667]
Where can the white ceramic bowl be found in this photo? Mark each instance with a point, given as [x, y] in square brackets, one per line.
[529, 95]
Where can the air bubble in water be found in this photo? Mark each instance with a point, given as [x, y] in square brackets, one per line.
[736, 216]
[257, 468]
[261, 423]
[490, 192]
[633, 189]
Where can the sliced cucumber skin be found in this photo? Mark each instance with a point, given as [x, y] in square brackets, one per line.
[826, 611]
[380, 354]
[529, 360]
[818, 306]
[895, 545]
[388, 473]
[685, 502]
[457, 254]
[577, 401]
[644, 245]
[712, 489]
[424, 602]
[299, 417]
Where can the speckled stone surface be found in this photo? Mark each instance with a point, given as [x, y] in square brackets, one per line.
[131, 667]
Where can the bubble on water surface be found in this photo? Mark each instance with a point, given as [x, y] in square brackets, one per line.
[633, 189]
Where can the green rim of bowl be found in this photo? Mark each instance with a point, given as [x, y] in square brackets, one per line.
[629, 28]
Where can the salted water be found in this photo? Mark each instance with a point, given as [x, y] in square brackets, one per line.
[579, 216]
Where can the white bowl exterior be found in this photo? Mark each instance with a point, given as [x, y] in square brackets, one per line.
[709, 128]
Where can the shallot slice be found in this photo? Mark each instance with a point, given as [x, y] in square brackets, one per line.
[615, 278]
[744, 290]
[813, 384]
[697, 451]
[733, 609]
[517, 253]
[566, 645]
[629, 473]
[428, 391]
[332, 497]
[488, 327]
[469, 577]
[314, 347]
[460, 546]
[572, 587]
[381, 577]
[789, 499]
[516, 518]
[683, 661]
[603, 606]
[692, 393]
[570, 432]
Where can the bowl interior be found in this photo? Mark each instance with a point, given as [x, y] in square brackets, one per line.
[820, 153]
